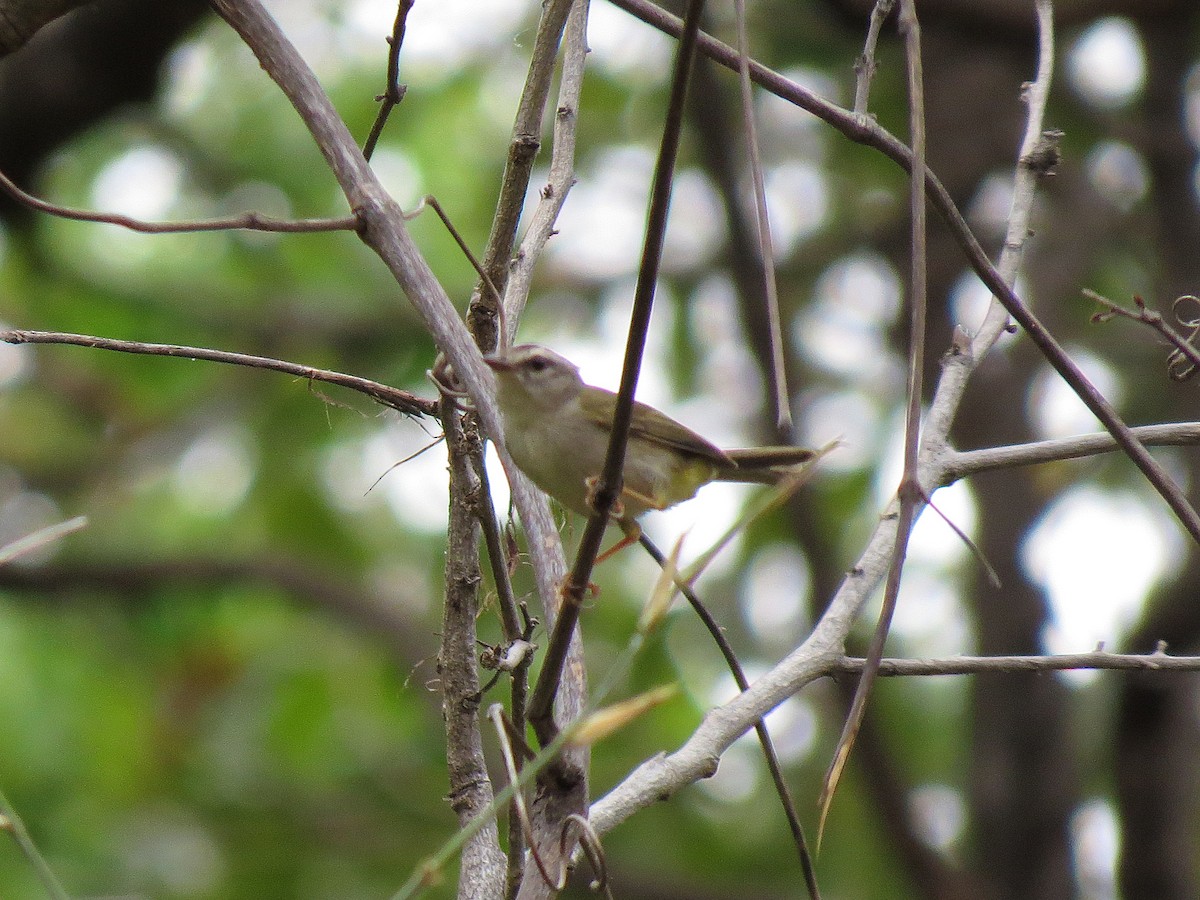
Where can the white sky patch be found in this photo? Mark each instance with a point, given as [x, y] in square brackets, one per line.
[793, 724]
[400, 176]
[215, 472]
[361, 473]
[601, 227]
[989, 208]
[773, 594]
[939, 814]
[1107, 65]
[783, 126]
[191, 74]
[933, 541]
[970, 299]
[1097, 554]
[797, 204]
[696, 223]
[737, 778]
[622, 47]
[446, 35]
[853, 417]
[1057, 411]
[1095, 843]
[929, 616]
[843, 331]
[144, 182]
[416, 491]
[1118, 173]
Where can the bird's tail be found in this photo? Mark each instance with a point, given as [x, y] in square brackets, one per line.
[765, 465]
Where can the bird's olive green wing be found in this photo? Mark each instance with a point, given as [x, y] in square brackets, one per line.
[649, 424]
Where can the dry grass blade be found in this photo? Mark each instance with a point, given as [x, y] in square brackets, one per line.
[40, 538]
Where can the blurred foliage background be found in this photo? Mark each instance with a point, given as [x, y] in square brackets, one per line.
[224, 686]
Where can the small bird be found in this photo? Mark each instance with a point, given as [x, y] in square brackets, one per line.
[557, 429]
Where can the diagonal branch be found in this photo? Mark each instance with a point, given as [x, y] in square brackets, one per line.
[402, 401]
[382, 229]
[866, 131]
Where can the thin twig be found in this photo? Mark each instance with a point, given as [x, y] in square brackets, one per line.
[760, 728]
[1184, 350]
[402, 401]
[964, 463]
[504, 733]
[40, 538]
[864, 130]
[483, 310]
[910, 493]
[11, 822]
[865, 66]
[247, 221]
[394, 91]
[609, 485]
[561, 176]
[1099, 660]
[783, 404]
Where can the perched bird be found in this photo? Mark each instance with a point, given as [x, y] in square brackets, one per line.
[557, 429]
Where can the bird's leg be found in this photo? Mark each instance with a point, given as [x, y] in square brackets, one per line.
[633, 532]
[632, 529]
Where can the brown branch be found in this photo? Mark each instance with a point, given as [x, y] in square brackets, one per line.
[863, 130]
[247, 221]
[394, 92]
[866, 66]
[402, 401]
[911, 495]
[561, 176]
[1184, 351]
[778, 366]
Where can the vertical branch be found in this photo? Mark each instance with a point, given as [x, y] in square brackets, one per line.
[483, 864]
[562, 170]
[609, 485]
[866, 65]
[393, 92]
[522, 150]
[778, 369]
[910, 493]
[1034, 143]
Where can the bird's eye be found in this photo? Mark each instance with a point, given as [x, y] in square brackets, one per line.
[538, 365]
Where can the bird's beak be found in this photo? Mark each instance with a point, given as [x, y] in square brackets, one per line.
[499, 363]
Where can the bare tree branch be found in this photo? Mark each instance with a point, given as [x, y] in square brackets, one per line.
[383, 230]
[1099, 660]
[248, 221]
[402, 401]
